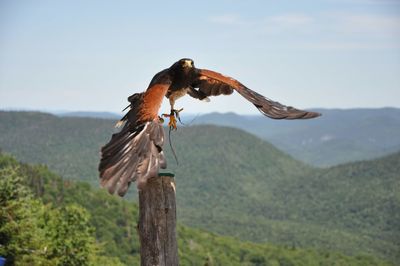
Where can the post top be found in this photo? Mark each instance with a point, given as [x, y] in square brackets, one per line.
[166, 174]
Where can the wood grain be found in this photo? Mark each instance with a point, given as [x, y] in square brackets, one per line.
[157, 222]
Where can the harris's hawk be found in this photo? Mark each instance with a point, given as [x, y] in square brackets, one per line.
[135, 153]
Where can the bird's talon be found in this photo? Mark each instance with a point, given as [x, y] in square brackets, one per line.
[176, 117]
[172, 119]
[172, 122]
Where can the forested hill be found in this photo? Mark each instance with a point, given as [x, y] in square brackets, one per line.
[338, 136]
[70, 146]
[67, 223]
[233, 183]
[253, 191]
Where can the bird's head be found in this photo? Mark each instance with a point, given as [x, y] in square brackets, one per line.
[184, 63]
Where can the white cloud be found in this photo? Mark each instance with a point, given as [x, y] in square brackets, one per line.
[286, 24]
[282, 21]
[226, 19]
[345, 45]
[292, 20]
[369, 24]
[326, 31]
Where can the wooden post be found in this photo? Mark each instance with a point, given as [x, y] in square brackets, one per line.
[157, 222]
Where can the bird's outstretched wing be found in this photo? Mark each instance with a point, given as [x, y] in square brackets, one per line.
[135, 153]
[212, 83]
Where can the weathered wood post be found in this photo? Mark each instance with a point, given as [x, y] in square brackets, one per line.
[157, 222]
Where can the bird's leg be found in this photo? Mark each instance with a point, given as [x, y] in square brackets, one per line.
[173, 115]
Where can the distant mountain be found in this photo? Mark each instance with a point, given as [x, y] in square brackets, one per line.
[338, 136]
[105, 115]
[233, 183]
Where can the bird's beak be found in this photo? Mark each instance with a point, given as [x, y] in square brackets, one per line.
[188, 63]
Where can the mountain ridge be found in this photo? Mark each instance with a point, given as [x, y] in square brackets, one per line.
[338, 136]
[321, 141]
[234, 183]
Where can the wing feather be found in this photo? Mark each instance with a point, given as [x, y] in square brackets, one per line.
[135, 153]
[212, 87]
[131, 163]
[213, 83]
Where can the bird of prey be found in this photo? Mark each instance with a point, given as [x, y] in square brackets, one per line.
[136, 152]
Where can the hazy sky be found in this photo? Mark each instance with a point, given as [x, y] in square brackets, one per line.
[91, 55]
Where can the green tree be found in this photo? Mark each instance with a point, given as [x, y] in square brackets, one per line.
[32, 233]
[70, 235]
[22, 241]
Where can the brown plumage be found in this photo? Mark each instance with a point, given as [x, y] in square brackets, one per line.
[135, 153]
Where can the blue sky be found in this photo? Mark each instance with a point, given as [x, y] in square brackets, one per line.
[91, 55]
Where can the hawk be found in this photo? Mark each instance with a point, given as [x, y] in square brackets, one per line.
[136, 152]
